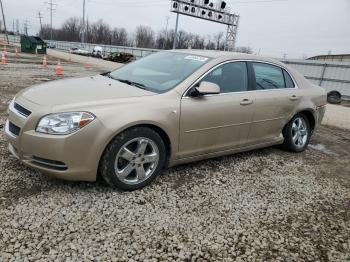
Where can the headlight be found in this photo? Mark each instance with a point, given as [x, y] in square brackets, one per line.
[64, 123]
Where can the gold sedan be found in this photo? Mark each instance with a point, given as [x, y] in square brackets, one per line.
[163, 110]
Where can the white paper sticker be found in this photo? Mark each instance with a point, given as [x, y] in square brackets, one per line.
[196, 58]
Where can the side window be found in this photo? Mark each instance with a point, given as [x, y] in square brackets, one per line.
[230, 77]
[268, 76]
[288, 80]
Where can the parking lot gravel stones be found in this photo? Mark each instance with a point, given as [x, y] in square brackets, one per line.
[265, 205]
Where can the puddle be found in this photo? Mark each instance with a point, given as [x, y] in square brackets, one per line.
[323, 149]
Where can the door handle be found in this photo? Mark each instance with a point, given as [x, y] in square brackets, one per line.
[293, 98]
[246, 101]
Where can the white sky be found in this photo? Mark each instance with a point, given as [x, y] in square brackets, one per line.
[293, 27]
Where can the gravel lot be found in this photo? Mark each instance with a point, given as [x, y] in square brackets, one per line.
[257, 206]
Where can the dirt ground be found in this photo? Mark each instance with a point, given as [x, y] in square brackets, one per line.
[256, 206]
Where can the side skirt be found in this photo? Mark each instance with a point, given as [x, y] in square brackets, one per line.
[278, 141]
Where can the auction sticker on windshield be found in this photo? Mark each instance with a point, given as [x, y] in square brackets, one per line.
[196, 58]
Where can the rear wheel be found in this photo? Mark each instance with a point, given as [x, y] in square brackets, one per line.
[297, 134]
[133, 159]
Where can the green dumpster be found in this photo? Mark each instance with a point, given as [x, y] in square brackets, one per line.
[31, 43]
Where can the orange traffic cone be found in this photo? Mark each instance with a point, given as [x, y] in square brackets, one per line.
[44, 61]
[59, 68]
[87, 64]
[3, 58]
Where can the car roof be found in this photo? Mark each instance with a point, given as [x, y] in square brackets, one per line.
[225, 55]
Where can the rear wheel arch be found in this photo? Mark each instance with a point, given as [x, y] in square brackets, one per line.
[310, 117]
[309, 114]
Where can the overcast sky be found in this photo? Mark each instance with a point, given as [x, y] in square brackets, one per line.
[293, 27]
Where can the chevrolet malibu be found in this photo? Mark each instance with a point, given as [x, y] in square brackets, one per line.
[166, 109]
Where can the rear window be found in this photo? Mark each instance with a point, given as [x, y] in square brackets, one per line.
[268, 76]
[271, 77]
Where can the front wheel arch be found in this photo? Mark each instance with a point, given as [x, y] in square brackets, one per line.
[165, 137]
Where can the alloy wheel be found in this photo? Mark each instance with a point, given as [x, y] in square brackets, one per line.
[136, 160]
[299, 132]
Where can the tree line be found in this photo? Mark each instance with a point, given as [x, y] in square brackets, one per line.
[144, 36]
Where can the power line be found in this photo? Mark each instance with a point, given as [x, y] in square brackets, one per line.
[41, 25]
[26, 26]
[166, 31]
[83, 27]
[17, 26]
[51, 9]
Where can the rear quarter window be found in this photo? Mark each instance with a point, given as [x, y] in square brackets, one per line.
[289, 81]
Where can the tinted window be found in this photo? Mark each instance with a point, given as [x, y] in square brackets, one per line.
[231, 77]
[268, 76]
[288, 80]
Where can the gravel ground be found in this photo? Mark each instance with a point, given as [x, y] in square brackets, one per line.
[257, 206]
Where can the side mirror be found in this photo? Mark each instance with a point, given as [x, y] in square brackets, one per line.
[206, 88]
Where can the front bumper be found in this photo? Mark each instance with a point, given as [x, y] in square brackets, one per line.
[69, 157]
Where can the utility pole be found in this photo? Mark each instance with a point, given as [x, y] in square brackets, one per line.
[41, 25]
[166, 32]
[51, 9]
[3, 18]
[17, 26]
[83, 27]
[175, 32]
[26, 27]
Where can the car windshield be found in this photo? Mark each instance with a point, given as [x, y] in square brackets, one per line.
[161, 71]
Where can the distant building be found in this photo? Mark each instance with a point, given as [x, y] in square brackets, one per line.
[341, 57]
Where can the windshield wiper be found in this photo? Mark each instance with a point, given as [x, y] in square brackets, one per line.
[131, 83]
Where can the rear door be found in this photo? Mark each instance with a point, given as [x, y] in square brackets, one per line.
[212, 123]
[276, 99]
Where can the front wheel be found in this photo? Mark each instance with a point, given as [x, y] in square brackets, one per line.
[133, 159]
[297, 134]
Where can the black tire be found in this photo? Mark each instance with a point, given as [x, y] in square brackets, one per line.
[289, 133]
[107, 163]
[334, 97]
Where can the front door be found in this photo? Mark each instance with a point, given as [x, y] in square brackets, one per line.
[212, 123]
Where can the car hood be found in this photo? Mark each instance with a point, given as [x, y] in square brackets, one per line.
[81, 90]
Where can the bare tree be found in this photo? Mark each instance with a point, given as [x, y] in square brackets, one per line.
[197, 41]
[119, 37]
[100, 33]
[144, 36]
[244, 49]
[71, 29]
[183, 40]
[218, 36]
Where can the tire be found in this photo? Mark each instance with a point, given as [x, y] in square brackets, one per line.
[334, 97]
[133, 159]
[297, 134]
